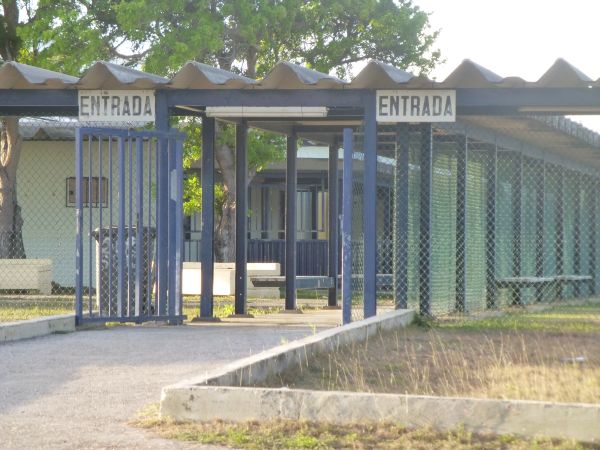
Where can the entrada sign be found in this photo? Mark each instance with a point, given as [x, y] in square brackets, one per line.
[416, 106]
[116, 106]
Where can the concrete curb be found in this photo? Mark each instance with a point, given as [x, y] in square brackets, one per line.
[256, 368]
[526, 418]
[43, 326]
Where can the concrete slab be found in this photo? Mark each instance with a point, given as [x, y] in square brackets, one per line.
[42, 326]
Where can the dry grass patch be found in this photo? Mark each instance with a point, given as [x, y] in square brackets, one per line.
[475, 359]
[286, 434]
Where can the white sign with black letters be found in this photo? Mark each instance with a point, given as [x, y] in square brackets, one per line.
[134, 106]
[416, 106]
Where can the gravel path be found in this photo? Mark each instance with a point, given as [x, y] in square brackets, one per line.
[79, 390]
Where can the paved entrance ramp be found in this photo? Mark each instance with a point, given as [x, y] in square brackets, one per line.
[79, 390]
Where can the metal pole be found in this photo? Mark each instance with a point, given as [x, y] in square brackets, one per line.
[162, 213]
[425, 221]
[370, 208]
[207, 254]
[139, 227]
[241, 218]
[577, 233]
[461, 223]
[291, 182]
[560, 250]
[347, 227]
[79, 225]
[333, 223]
[593, 226]
[400, 232]
[179, 229]
[172, 212]
[517, 212]
[539, 229]
[490, 227]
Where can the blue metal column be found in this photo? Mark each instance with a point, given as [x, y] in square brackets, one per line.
[178, 307]
[121, 294]
[333, 223]
[207, 254]
[139, 227]
[425, 220]
[461, 223]
[400, 231]
[291, 182]
[79, 225]
[172, 234]
[370, 207]
[347, 227]
[241, 218]
[490, 227]
[162, 213]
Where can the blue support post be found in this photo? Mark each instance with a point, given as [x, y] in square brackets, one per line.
[290, 222]
[172, 233]
[79, 225]
[425, 221]
[490, 227]
[400, 224]
[370, 208]
[162, 213]
[139, 227]
[208, 217]
[121, 297]
[347, 227]
[241, 218]
[333, 223]
[461, 223]
[179, 228]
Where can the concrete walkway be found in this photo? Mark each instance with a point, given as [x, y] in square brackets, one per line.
[79, 390]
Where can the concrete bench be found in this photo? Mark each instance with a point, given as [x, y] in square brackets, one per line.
[224, 279]
[26, 275]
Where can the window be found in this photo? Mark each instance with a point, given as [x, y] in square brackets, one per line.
[96, 199]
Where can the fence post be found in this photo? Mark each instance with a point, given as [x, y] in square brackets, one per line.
[593, 211]
[490, 227]
[539, 229]
[79, 225]
[577, 234]
[559, 228]
[461, 222]
[425, 220]
[400, 224]
[517, 193]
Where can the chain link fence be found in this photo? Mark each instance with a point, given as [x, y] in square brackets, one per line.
[484, 213]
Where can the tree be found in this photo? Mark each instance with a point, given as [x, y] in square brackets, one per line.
[250, 36]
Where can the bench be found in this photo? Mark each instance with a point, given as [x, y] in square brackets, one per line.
[26, 275]
[556, 282]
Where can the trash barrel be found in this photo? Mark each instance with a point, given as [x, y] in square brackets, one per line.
[107, 271]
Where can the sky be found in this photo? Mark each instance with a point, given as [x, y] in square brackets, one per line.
[518, 37]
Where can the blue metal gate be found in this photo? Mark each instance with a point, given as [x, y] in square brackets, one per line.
[128, 194]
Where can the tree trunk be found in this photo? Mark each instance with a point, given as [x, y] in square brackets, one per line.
[225, 230]
[11, 222]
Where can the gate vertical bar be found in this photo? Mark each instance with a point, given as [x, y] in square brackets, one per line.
[539, 229]
[425, 221]
[347, 226]
[207, 254]
[291, 185]
[517, 212]
[99, 256]
[461, 222]
[370, 208]
[162, 219]
[90, 223]
[121, 229]
[79, 225]
[130, 274]
[400, 223]
[490, 227]
[241, 217]
[333, 223]
[139, 226]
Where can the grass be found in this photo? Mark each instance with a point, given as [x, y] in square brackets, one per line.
[287, 434]
[556, 358]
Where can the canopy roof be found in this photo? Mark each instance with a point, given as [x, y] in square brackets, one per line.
[284, 75]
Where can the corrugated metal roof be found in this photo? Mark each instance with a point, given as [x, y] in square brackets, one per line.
[284, 75]
[14, 75]
[105, 75]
